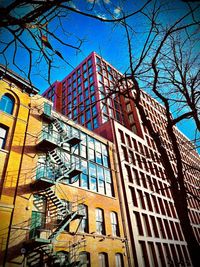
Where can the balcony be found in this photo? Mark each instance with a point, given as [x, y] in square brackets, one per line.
[47, 141]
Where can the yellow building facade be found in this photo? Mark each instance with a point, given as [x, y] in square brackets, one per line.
[59, 202]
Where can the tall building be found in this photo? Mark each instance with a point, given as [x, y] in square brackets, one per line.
[59, 203]
[82, 95]
[153, 229]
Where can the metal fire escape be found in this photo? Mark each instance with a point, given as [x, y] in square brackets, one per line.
[56, 169]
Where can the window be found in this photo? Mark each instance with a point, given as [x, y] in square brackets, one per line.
[101, 180]
[103, 260]
[83, 210]
[84, 258]
[100, 227]
[119, 260]
[38, 215]
[93, 176]
[3, 135]
[63, 258]
[95, 123]
[7, 103]
[114, 224]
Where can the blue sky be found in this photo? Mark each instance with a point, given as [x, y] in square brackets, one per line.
[107, 39]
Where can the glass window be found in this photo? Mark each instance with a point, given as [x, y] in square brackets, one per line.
[83, 151]
[87, 102]
[100, 77]
[91, 142]
[3, 135]
[74, 76]
[95, 123]
[93, 98]
[85, 75]
[89, 62]
[74, 93]
[98, 146]
[86, 93]
[7, 103]
[84, 166]
[78, 72]
[81, 97]
[74, 84]
[69, 98]
[75, 112]
[83, 137]
[90, 70]
[114, 224]
[91, 154]
[98, 60]
[103, 260]
[82, 119]
[84, 67]
[84, 258]
[92, 169]
[104, 118]
[84, 181]
[91, 79]
[99, 158]
[86, 84]
[109, 187]
[101, 180]
[75, 102]
[119, 260]
[100, 225]
[79, 80]
[87, 115]
[94, 111]
[83, 210]
[92, 89]
[93, 184]
[79, 89]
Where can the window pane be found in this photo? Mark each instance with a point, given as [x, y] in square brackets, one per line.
[93, 184]
[100, 221]
[84, 258]
[84, 223]
[119, 260]
[92, 168]
[103, 260]
[3, 133]
[6, 104]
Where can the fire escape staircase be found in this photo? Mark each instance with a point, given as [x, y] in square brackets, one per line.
[39, 255]
[65, 213]
[40, 252]
[66, 169]
[72, 140]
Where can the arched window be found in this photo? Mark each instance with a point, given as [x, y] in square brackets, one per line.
[84, 258]
[83, 210]
[7, 103]
[119, 260]
[62, 257]
[103, 259]
[3, 135]
[114, 224]
[100, 224]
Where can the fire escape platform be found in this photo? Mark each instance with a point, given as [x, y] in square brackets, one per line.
[35, 242]
[42, 183]
[47, 117]
[72, 141]
[46, 145]
[73, 172]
